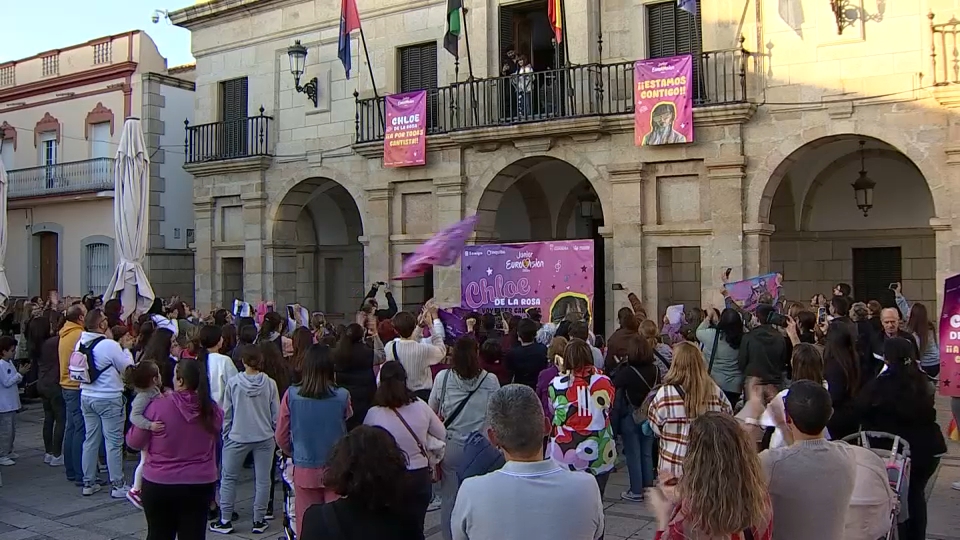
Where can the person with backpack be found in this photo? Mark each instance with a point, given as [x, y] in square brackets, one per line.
[635, 377]
[97, 364]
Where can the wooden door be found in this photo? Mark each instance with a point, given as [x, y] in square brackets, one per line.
[49, 262]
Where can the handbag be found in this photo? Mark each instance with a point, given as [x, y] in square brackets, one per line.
[639, 414]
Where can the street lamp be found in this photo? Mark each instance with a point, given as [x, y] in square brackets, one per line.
[297, 54]
[863, 187]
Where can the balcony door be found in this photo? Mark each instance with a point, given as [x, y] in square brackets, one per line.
[49, 261]
[99, 151]
[233, 118]
[672, 31]
[48, 157]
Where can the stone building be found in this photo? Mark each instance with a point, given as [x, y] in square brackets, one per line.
[292, 201]
[61, 114]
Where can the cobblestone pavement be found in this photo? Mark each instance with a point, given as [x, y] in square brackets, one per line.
[37, 502]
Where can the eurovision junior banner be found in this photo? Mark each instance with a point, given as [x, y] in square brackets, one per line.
[405, 139]
[752, 291]
[663, 101]
[556, 277]
[950, 338]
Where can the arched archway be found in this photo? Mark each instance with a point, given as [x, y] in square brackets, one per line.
[820, 236]
[316, 231]
[541, 198]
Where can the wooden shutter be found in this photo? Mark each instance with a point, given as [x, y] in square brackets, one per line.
[506, 33]
[418, 67]
[874, 269]
[672, 31]
[233, 99]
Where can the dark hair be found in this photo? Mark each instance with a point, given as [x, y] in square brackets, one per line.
[491, 352]
[208, 337]
[839, 347]
[845, 289]
[317, 381]
[840, 305]
[302, 339]
[194, 377]
[563, 329]
[118, 331]
[639, 352]
[807, 363]
[220, 317]
[405, 323]
[91, 323]
[466, 361]
[274, 366]
[630, 322]
[730, 326]
[156, 308]
[910, 383]
[246, 334]
[38, 330]
[393, 392]
[806, 321]
[808, 406]
[527, 330]
[763, 312]
[250, 355]
[368, 467]
[343, 352]
[229, 339]
[271, 323]
[919, 324]
[580, 330]
[7, 343]
[158, 350]
[141, 375]
[623, 313]
[577, 355]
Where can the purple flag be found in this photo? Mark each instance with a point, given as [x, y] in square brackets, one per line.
[441, 250]
[453, 325]
[690, 6]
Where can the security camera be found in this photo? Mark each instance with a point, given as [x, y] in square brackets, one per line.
[157, 13]
[155, 18]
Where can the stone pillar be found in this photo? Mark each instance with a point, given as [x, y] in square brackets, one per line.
[623, 238]
[726, 177]
[280, 271]
[948, 256]
[376, 236]
[756, 246]
[610, 306]
[203, 212]
[254, 205]
[450, 202]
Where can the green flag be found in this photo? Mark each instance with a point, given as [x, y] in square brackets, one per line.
[451, 40]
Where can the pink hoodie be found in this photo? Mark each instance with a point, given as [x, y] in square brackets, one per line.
[185, 452]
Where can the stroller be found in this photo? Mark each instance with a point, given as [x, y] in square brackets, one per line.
[895, 453]
[285, 465]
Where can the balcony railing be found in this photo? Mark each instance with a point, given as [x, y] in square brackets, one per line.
[63, 178]
[720, 77]
[945, 52]
[231, 139]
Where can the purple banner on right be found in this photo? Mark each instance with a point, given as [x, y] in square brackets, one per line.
[663, 101]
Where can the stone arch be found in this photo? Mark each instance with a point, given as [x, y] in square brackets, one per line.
[294, 196]
[768, 175]
[568, 209]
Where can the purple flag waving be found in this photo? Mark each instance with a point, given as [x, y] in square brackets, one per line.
[454, 326]
[441, 250]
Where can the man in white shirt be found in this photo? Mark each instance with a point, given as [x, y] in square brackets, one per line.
[101, 402]
[417, 357]
[529, 497]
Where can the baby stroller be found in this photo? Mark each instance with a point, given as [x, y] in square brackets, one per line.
[895, 453]
[289, 514]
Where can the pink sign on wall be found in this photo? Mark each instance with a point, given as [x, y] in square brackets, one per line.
[663, 101]
[405, 137]
[950, 338]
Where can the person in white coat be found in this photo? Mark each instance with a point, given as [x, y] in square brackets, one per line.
[220, 368]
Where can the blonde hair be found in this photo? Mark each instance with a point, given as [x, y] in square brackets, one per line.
[722, 490]
[687, 370]
[650, 332]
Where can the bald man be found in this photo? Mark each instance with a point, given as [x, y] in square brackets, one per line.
[890, 322]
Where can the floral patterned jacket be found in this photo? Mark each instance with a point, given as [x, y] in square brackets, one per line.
[582, 438]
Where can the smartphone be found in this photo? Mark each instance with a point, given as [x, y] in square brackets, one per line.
[617, 286]
[821, 315]
[893, 286]
[726, 272]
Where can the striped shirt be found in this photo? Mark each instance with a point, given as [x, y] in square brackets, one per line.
[417, 357]
[668, 416]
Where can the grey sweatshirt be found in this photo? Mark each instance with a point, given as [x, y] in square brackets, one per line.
[140, 402]
[251, 408]
[449, 391]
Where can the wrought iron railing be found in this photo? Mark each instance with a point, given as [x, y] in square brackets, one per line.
[89, 175]
[945, 53]
[720, 77]
[246, 137]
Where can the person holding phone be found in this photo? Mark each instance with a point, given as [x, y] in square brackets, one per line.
[371, 305]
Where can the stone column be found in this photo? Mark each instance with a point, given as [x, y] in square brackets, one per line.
[376, 236]
[756, 255]
[726, 177]
[280, 273]
[610, 306]
[254, 205]
[203, 212]
[623, 238]
[450, 201]
[948, 255]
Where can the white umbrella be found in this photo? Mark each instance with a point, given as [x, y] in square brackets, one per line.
[131, 177]
[4, 286]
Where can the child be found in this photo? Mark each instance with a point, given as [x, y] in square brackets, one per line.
[251, 408]
[145, 379]
[10, 378]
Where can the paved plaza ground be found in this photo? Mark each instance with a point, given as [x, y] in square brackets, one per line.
[37, 502]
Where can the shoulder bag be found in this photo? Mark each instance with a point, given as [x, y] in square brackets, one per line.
[639, 413]
[713, 351]
[434, 448]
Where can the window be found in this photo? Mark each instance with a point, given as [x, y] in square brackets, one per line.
[672, 31]
[102, 53]
[48, 156]
[51, 65]
[8, 75]
[233, 114]
[874, 269]
[418, 71]
[418, 290]
[6, 154]
[99, 266]
[100, 140]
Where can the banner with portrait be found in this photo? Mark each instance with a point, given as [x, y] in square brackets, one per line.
[950, 338]
[405, 137]
[663, 101]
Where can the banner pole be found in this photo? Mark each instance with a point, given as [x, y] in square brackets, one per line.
[373, 81]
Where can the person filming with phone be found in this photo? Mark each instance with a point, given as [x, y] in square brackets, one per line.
[371, 305]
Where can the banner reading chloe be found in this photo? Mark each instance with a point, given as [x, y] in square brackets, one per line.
[556, 277]
[663, 101]
[950, 338]
[405, 137]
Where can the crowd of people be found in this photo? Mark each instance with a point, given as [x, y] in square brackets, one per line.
[730, 422]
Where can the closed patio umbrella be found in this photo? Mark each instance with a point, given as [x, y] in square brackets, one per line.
[131, 177]
[4, 286]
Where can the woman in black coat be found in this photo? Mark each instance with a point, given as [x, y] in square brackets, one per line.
[900, 401]
[353, 362]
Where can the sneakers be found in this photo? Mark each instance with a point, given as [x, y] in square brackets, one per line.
[56, 461]
[134, 497]
[434, 504]
[13, 455]
[259, 527]
[90, 490]
[119, 491]
[7, 461]
[221, 527]
[955, 485]
[269, 515]
[47, 458]
[631, 496]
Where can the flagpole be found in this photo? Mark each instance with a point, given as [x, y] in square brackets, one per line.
[373, 81]
[466, 37]
[563, 30]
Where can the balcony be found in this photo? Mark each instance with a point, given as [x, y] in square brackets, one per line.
[720, 78]
[228, 140]
[61, 179]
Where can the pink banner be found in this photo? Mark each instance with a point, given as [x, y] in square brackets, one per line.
[950, 338]
[663, 101]
[405, 139]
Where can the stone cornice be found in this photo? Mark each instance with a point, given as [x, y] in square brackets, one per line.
[228, 166]
[625, 173]
[761, 229]
[948, 95]
[679, 229]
